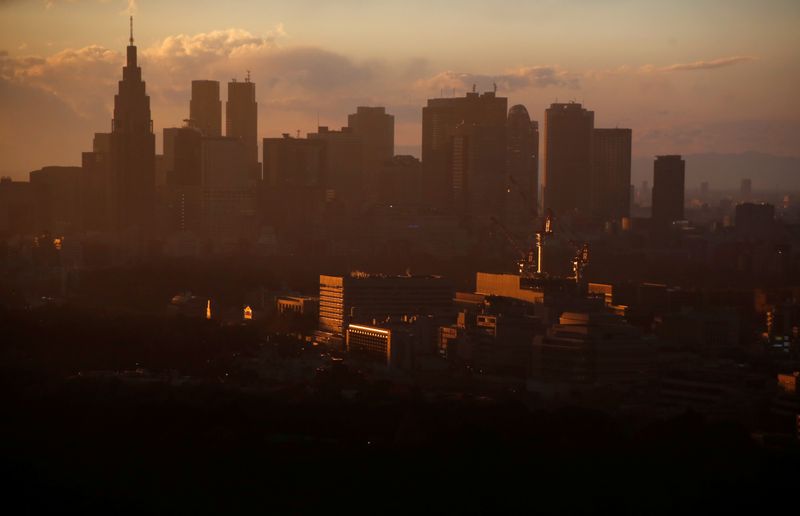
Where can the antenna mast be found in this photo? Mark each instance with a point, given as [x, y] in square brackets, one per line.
[131, 30]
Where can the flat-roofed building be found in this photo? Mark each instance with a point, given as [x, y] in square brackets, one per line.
[361, 297]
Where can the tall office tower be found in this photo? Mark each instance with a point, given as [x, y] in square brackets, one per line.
[464, 152]
[294, 162]
[567, 184]
[611, 174]
[133, 151]
[229, 190]
[376, 129]
[96, 172]
[523, 166]
[241, 120]
[205, 108]
[344, 164]
[182, 153]
[669, 174]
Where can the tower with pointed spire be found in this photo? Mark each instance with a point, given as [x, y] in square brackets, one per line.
[132, 151]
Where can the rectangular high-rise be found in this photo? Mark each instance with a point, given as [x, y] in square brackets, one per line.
[523, 168]
[344, 164]
[464, 151]
[567, 185]
[611, 173]
[376, 129]
[241, 120]
[205, 108]
[669, 174]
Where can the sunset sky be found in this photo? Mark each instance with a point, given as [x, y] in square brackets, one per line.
[686, 76]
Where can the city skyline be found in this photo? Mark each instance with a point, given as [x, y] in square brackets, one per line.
[661, 90]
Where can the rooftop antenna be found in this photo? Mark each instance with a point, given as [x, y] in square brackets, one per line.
[131, 30]
[298, 133]
[473, 87]
[247, 79]
[494, 84]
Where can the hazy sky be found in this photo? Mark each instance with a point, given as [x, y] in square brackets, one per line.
[687, 76]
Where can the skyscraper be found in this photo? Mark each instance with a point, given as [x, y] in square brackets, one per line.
[376, 129]
[523, 165]
[668, 183]
[567, 185]
[464, 151]
[611, 157]
[182, 153]
[132, 151]
[241, 119]
[205, 108]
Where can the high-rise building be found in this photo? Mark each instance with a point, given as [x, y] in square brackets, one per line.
[464, 151]
[611, 156]
[567, 184]
[205, 107]
[669, 173]
[344, 164]
[376, 129]
[229, 190]
[241, 119]
[64, 190]
[298, 162]
[96, 172]
[182, 162]
[132, 151]
[523, 166]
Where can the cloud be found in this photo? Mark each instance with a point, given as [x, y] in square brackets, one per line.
[511, 80]
[707, 65]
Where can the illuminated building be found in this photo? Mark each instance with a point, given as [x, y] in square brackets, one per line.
[301, 305]
[611, 159]
[567, 184]
[205, 108]
[668, 189]
[208, 309]
[241, 120]
[132, 151]
[247, 313]
[362, 297]
[506, 285]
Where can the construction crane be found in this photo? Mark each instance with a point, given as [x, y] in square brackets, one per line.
[525, 261]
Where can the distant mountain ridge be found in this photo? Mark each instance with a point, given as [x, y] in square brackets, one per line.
[726, 171]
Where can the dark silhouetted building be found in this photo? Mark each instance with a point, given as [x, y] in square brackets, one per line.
[132, 152]
[229, 190]
[22, 208]
[182, 163]
[746, 189]
[97, 176]
[523, 167]
[464, 151]
[376, 129]
[241, 120]
[205, 107]
[756, 219]
[567, 185]
[669, 173]
[611, 157]
[63, 189]
[344, 165]
[292, 161]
